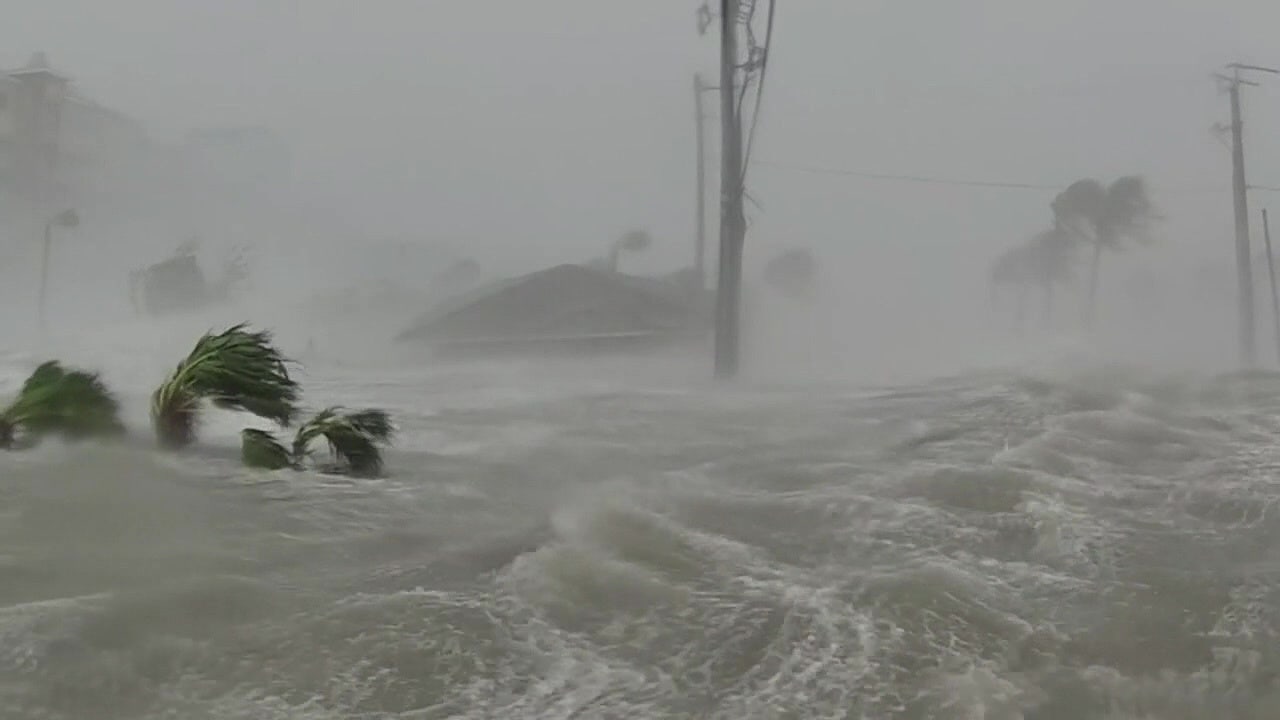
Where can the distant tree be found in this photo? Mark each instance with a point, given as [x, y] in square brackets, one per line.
[1104, 217]
[634, 241]
[457, 277]
[1046, 261]
[178, 284]
[792, 272]
[1009, 273]
[467, 268]
[1053, 263]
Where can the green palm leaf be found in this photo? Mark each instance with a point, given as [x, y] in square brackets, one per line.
[353, 438]
[55, 401]
[238, 370]
[260, 449]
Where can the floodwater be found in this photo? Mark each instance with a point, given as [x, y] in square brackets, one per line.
[1099, 543]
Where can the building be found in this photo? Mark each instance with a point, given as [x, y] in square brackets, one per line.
[30, 104]
[568, 308]
[56, 145]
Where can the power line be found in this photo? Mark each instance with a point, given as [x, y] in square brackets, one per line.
[910, 178]
[764, 68]
[969, 182]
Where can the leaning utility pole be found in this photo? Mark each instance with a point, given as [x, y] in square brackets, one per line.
[1239, 188]
[1271, 273]
[732, 219]
[700, 237]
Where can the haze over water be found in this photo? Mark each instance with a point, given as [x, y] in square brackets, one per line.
[904, 508]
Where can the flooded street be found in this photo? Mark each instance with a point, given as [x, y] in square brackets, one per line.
[1097, 544]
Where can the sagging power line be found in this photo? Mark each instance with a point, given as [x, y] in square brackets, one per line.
[971, 182]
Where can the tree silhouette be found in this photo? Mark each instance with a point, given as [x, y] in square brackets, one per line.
[633, 241]
[1104, 217]
[1046, 260]
[792, 272]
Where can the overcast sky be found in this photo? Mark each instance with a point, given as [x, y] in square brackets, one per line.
[534, 131]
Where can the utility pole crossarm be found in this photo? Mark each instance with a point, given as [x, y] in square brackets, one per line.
[1241, 66]
[1236, 80]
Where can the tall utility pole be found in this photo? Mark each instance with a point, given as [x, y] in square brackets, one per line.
[1271, 273]
[66, 219]
[700, 237]
[732, 220]
[1239, 188]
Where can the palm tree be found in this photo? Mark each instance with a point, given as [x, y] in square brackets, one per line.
[1045, 260]
[793, 272]
[1008, 270]
[237, 370]
[260, 449]
[55, 401]
[1104, 217]
[353, 438]
[634, 241]
[1051, 257]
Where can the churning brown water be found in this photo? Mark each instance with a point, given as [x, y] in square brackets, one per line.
[1100, 544]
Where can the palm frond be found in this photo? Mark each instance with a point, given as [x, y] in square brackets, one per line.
[1128, 211]
[353, 438]
[237, 369]
[792, 271]
[374, 423]
[260, 449]
[47, 374]
[57, 401]
[635, 241]
[1083, 200]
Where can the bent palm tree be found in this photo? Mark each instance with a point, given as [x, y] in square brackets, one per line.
[236, 370]
[792, 272]
[260, 449]
[633, 241]
[1111, 214]
[1045, 260]
[55, 401]
[1053, 264]
[353, 438]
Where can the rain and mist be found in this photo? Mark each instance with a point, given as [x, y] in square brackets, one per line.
[368, 360]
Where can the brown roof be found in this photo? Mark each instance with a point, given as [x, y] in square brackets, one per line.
[561, 302]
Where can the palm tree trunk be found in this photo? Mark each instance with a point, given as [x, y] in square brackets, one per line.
[1021, 312]
[1091, 311]
[1048, 304]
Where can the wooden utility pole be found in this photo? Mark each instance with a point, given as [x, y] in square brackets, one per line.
[1271, 273]
[732, 220]
[1239, 188]
[66, 219]
[44, 274]
[700, 237]
[1244, 270]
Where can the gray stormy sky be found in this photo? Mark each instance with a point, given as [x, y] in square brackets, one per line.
[533, 131]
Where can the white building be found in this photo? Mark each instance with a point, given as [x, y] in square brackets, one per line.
[57, 146]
